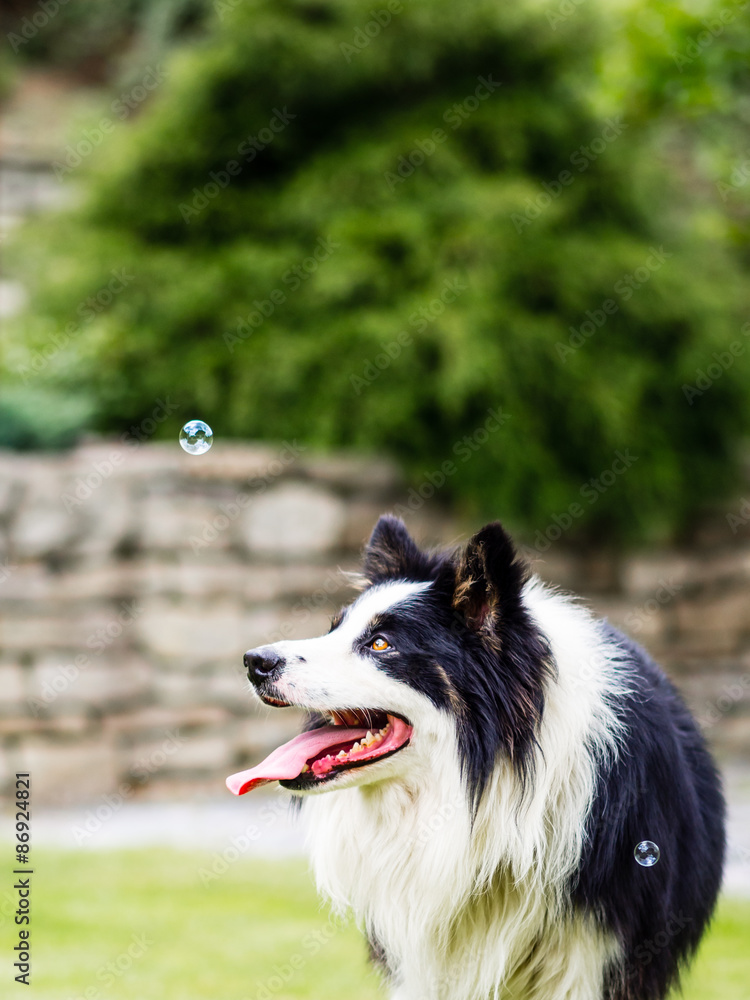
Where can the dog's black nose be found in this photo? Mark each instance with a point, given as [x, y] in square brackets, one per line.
[261, 663]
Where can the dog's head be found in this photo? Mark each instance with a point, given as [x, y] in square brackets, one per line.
[438, 648]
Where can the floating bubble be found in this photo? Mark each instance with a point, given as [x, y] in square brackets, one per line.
[196, 437]
[647, 853]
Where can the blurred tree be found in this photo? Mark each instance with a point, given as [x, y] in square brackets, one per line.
[483, 234]
[101, 39]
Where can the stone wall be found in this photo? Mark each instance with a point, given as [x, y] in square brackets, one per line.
[133, 577]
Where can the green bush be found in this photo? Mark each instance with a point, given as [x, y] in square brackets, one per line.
[568, 210]
[39, 417]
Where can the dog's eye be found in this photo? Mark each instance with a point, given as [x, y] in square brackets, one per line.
[379, 644]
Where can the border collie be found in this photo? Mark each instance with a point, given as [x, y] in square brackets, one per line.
[491, 756]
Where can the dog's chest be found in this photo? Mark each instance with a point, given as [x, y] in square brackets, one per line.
[402, 863]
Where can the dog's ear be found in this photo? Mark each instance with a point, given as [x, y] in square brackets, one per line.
[392, 553]
[489, 579]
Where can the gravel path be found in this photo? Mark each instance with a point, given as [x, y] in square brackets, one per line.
[263, 825]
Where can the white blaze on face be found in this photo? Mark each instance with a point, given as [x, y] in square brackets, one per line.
[329, 672]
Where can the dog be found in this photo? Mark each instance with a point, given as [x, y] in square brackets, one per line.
[483, 758]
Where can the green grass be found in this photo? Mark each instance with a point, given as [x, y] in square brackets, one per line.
[228, 939]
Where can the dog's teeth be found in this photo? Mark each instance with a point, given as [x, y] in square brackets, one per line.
[341, 754]
[305, 767]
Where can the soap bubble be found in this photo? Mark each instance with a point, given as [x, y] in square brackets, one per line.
[647, 853]
[196, 437]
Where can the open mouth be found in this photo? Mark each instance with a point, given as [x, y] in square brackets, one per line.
[352, 738]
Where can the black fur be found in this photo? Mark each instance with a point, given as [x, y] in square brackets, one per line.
[664, 788]
[392, 554]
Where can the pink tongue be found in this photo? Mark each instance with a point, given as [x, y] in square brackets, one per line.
[288, 760]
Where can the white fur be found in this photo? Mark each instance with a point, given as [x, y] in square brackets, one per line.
[465, 911]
